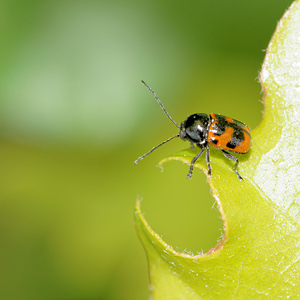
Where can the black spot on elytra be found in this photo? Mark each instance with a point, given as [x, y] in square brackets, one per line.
[230, 145]
[219, 127]
[238, 132]
[214, 141]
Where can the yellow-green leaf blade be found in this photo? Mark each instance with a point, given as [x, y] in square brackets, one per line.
[259, 255]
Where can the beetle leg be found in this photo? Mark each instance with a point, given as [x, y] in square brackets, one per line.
[189, 175]
[208, 161]
[192, 146]
[231, 157]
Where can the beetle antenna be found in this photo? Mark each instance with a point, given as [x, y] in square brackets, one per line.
[169, 139]
[161, 105]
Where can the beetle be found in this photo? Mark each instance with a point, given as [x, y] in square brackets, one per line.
[204, 130]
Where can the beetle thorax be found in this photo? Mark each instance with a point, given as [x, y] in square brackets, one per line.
[195, 128]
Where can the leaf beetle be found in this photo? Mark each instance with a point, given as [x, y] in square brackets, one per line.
[216, 130]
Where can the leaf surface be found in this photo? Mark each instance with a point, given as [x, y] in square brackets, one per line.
[259, 255]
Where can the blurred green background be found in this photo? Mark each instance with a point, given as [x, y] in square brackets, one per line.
[74, 116]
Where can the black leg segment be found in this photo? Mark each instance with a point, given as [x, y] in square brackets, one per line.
[208, 161]
[231, 157]
[189, 175]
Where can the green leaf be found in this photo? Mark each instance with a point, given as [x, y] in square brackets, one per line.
[259, 255]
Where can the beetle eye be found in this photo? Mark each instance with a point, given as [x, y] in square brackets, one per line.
[182, 133]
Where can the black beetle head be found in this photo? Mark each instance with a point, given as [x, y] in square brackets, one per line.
[195, 128]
